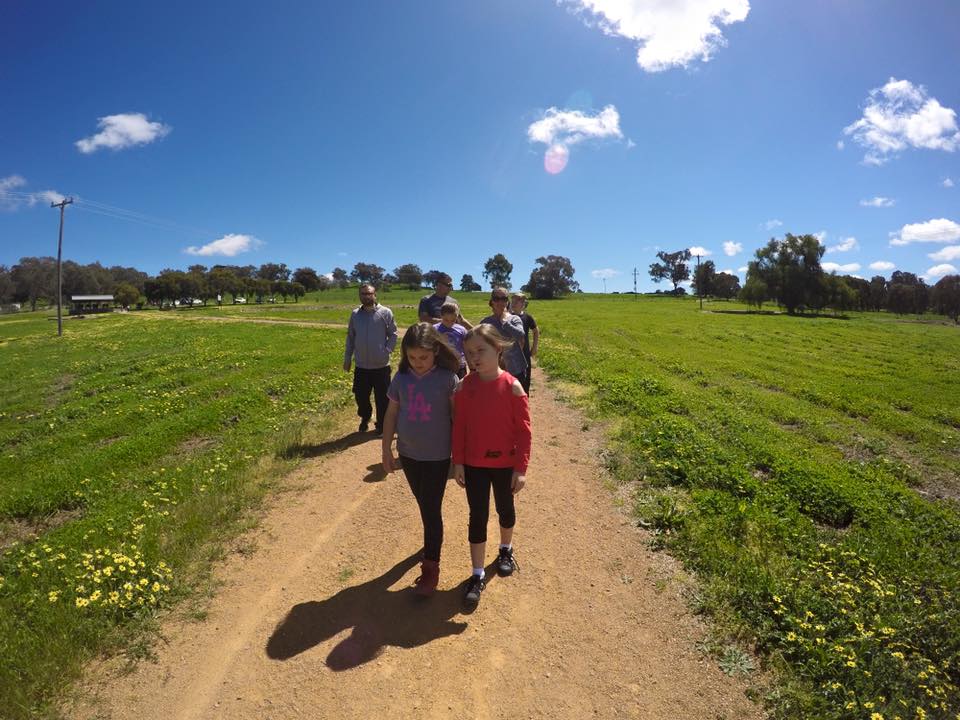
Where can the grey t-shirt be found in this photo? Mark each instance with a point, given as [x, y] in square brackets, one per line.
[424, 423]
[512, 329]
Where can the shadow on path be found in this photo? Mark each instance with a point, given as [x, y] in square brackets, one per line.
[330, 446]
[379, 617]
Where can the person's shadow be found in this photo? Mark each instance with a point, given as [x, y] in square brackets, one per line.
[378, 615]
[301, 450]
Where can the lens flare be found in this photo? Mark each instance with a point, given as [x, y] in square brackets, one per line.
[555, 159]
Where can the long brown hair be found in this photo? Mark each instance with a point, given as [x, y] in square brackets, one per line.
[492, 337]
[423, 336]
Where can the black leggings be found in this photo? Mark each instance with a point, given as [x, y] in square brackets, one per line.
[479, 480]
[428, 480]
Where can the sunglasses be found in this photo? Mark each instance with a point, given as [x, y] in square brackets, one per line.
[498, 299]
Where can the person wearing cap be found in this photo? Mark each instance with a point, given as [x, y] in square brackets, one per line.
[510, 326]
[371, 337]
[430, 305]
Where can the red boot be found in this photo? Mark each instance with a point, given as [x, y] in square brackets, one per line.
[429, 578]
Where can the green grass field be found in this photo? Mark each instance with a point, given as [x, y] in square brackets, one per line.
[805, 468]
[792, 463]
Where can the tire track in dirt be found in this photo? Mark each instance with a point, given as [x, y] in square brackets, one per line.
[320, 621]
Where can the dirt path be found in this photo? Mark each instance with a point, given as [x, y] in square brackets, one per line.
[320, 622]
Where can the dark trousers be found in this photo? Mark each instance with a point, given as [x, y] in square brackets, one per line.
[428, 480]
[525, 381]
[479, 481]
[364, 381]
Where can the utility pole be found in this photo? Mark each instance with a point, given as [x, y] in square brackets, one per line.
[63, 206]
[699, 283]
[604, 285]
[634, 283]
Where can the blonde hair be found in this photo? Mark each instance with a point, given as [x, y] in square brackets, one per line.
[492, 337]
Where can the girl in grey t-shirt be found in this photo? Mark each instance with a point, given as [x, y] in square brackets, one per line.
[420, 413]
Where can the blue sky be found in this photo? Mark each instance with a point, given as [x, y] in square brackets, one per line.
[325, 134]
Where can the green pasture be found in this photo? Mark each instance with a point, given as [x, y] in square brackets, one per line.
[129, 446]
[807, 469]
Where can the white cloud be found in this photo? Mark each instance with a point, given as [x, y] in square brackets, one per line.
[947, 183]
[669, 34]
[731, 248]
[122, 131]
[845, 245]
[878, 202]
[821, 236]
[605, 273]
[900, 115]
[697, 250]
[742, 269]
[841, 144]
[941, 270]
[561, 129]
[771, 224]
[836, 267]
[228, 246]
[729, 271]
[882, 265]
[11, 199]
[940, 230]
[951, 252]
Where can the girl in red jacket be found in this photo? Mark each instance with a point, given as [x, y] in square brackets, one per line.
[491, 448]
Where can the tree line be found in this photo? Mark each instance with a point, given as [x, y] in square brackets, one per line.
[34, 279]
[788, 273]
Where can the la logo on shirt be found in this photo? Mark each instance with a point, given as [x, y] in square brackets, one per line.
[417, 405]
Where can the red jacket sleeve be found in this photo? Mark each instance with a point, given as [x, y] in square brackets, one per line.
[521, 425]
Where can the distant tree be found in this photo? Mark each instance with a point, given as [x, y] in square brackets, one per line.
[297, 290]
[6, 285]
[126, 295]
[861, 291]
[170, 282]
[221, 281]
[672, 266]
[945, 297]
[552, 278]
[838, 294]
[907, 293]
[367, 273]
[410, 275]
[273, 272]
[387, 282]
[497, 271]
[754, 292]
[261, 289]
[323, 283]
[307, 277]
[791, 270]
[878, 292]
[431, 277]
[340, 277]
[726, 286]
[282, 288]
[153, 291]
[34, 278]
[128, 275]
[468, 284]
[704, 278]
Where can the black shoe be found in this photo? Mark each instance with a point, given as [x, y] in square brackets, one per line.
[475, 586]
[364, 426]
[506, 563]
[378, 430]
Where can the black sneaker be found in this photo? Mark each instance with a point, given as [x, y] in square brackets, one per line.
[364, 426]
[475, 586]
[506, 563]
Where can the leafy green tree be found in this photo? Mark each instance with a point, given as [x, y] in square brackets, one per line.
[340, 277]
[221, 281]
[907, 293]
[704, 279]
[6, 285]
[945, 297]
[838, 294]
[468, 284]
[673, 267]
[34, 278]
[726, 286]
[552, 278]
[307, 277]
[410, 275]
[754, 292]
[432, 277]
[878, 292]
[367, 273]
[126, 295]
[791, 270]
[273, 272]
[297, 290]
[497, 271]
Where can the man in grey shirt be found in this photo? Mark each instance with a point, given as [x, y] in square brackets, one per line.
[371, 337]
[511, 327]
